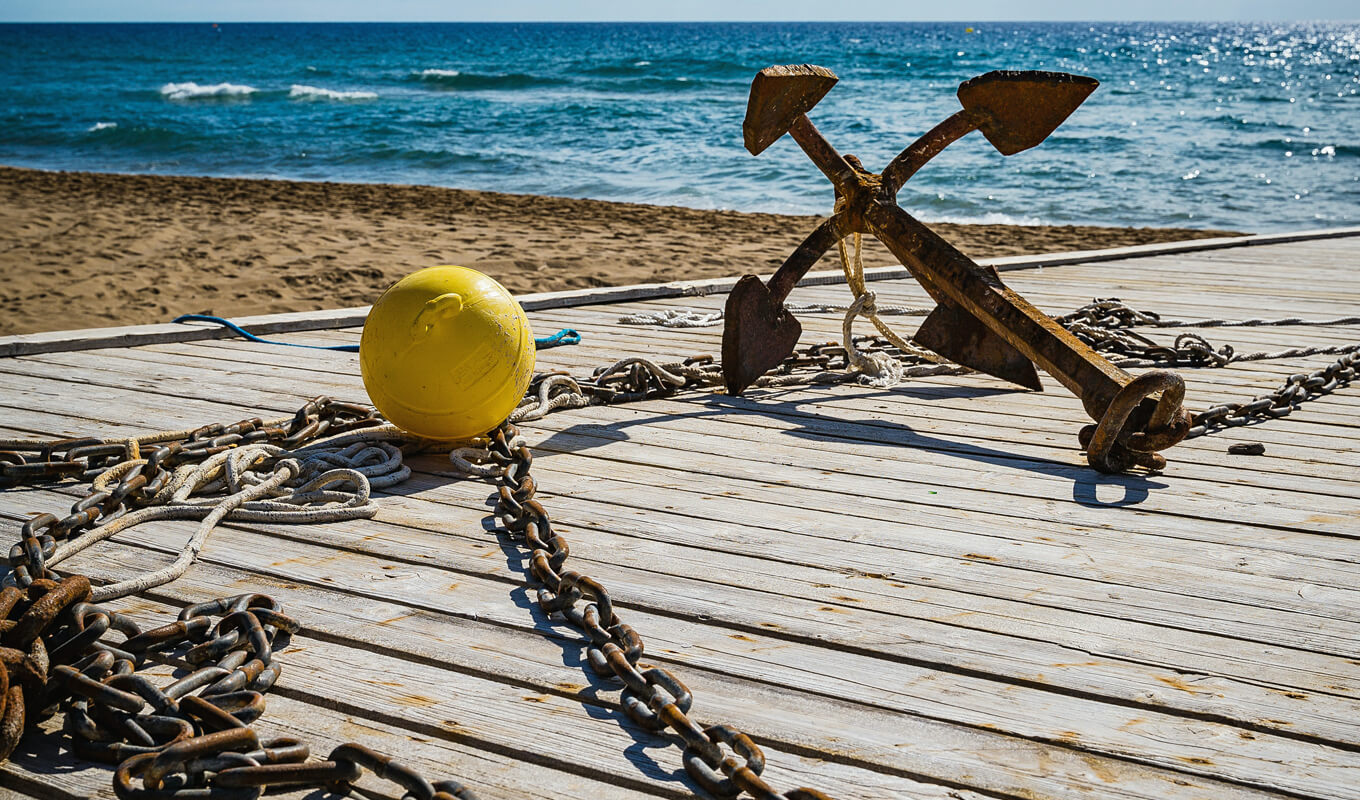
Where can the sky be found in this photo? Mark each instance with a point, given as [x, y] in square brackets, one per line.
[631, 10]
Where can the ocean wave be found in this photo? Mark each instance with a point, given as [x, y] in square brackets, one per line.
[193, 91]
[987, 218]
[148, 138]
[300, 92]
[102, 126]
[454, 79]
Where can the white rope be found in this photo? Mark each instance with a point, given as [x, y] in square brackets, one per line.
[876, 369]
[326, 481]
[674, 318]
[476, 459]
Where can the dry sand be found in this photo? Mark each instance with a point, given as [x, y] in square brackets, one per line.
[82, 250]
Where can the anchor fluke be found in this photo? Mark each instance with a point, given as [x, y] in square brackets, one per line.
[1017, 110]
[960, 337]
[779, 96]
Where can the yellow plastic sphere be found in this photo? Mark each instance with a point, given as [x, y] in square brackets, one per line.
[446, 353]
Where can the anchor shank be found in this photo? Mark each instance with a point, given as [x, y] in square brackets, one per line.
[942, 269]
[962, 123]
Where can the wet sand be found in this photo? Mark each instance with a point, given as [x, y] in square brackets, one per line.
[80, 250]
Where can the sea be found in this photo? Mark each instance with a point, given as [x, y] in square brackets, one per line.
[1252, 127]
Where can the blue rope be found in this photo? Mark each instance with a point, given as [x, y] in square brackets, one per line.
[563, 337]
[226, 323]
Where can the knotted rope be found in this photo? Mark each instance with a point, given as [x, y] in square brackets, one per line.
[326, 481]
[878, 369]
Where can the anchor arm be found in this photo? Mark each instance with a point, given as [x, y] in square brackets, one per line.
[915, 156]
[832, 164]
[758, 332]
[798, 263]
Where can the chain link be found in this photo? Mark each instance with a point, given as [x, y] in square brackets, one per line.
[191, 737]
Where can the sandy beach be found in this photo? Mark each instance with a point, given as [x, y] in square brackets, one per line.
[82, 250]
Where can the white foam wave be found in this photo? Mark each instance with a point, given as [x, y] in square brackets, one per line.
[301, 92]
[191, 90]
[102, 126]
[989, 218]
[439, 73]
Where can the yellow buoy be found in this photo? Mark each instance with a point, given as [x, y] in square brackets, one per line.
[446, 353]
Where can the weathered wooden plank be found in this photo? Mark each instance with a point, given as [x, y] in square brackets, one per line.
[40, 768]
[206, 382]
[1010, 620]
[337, 570]
[208, 376]
[631, 563]
[933, 404]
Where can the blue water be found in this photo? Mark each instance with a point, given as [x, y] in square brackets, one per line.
[1252, 127]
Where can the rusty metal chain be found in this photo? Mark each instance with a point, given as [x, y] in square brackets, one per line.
[190, 738]
[1105, 324]
[1297, 388]
[635, 379]
[720, 758]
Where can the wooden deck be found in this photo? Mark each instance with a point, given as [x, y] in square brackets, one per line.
[921, 592]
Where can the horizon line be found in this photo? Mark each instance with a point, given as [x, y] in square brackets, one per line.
[647, 21]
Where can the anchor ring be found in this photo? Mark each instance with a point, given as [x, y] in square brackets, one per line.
[1168, 424]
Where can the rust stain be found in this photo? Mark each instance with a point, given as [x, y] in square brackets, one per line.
[769, 625]
[1292, 695]
[417, 700]
[833, 610]
[1177, 683]
[397, 618]
[535, 698]
[845, 599]
[1100, 768]
[741, 637]
[1079, 664]
[1196, 760]
[1280, 722]
[1325, 519]
[1246, 734]
[979, 557]
[569, 687]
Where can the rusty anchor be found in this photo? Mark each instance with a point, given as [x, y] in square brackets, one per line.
[978, 322]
